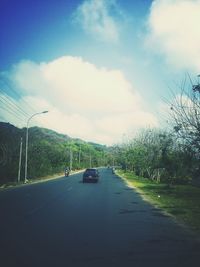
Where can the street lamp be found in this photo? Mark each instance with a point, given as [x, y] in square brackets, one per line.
[26, 156]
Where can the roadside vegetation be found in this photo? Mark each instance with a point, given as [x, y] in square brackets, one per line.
[164, 164]
[170, 155]
[48, 153]
[180, 201]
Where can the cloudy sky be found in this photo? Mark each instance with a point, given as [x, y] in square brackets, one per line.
[100, 67]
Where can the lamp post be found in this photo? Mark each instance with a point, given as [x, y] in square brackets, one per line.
[79, 157]
[70, 158]
[26, 155]
[20, 161]
[90, 160]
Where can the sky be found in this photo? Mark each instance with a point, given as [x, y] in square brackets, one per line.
[100, 67]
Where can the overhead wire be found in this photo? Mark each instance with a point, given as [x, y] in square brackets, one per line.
[9, 109]
[12, 91]
[12, 111]
[8, 97]
[11, 103]
[8, 113]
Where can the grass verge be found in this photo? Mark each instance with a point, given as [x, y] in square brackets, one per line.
[36, 180]
[31, 181]
[181, 201]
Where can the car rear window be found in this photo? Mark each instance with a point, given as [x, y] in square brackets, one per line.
[91, 171]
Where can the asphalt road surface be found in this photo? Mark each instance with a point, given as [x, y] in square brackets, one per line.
[67, 223]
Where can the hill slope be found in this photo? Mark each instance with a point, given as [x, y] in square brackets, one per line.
[48, 152]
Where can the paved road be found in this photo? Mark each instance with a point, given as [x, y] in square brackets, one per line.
[66, 223]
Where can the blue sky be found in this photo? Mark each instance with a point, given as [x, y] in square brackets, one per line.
[101, 67]
[42, 30]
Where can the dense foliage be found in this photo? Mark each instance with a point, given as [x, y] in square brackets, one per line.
[48, 153]
[173, 155]
[159, 156]
[169, 155]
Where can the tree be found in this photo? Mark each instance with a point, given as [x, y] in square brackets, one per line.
[185, 114]
[185, 119]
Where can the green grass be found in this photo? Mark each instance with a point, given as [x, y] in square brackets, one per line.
[181, 201]
[31, 181]
[36, 180]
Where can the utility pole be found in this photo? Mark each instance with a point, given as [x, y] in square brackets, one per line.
[79, 156]
[70, 158]
[103, 160]
[90, 160]
[20, 160]
[113, 163]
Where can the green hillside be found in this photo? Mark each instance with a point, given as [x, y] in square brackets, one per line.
[49, 152]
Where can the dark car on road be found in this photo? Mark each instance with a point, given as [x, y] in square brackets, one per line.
[91, 175]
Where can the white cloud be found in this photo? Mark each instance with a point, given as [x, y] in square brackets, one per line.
[175, 32]
[77, 85]
[125, 123]
[95, 17]
[84, 101]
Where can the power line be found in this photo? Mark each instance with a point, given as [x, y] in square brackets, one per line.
[10, 102]
[11, 112]
[12, 91]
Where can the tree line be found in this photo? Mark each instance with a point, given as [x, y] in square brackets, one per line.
[170, 155]
[48, 153]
